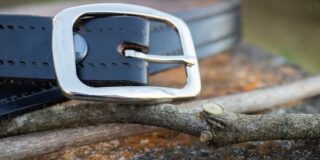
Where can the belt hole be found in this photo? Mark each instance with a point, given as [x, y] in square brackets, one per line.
[91, 64]
[10, 27]
[22, 62]
[127, 64]
[11, 62]
[103, 64]
[45, 64]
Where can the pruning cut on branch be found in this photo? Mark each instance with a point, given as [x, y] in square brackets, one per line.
[228, 127]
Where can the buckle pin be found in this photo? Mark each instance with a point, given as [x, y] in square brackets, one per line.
[188, 60]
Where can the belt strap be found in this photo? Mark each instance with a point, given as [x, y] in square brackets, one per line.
[27, 77]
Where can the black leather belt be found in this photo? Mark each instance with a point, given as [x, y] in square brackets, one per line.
[28, 77]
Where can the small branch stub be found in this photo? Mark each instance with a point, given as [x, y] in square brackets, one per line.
[212, 108]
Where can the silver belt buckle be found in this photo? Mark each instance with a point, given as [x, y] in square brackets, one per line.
[65, 67]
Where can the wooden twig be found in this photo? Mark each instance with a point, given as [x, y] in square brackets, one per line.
[218, 128]
[263, 99]
[180, 117]
[26, 146]
[78, 114]
[228, 127]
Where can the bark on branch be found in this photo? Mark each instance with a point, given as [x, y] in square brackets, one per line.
[215, 124]
[219, 127]
[182, 117]
[228, 128]
[30, 145]
[263, 99]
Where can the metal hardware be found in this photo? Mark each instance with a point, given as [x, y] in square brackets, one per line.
[80, 47]
[65, 67]
[161, 59]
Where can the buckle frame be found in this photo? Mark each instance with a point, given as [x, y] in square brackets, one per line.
[65, 67]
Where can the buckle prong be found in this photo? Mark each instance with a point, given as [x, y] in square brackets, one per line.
[188, 60]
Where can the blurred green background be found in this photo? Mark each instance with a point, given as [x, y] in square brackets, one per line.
[290, 28]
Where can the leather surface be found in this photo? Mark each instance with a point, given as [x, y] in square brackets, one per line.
[28, 85]
[26, 53]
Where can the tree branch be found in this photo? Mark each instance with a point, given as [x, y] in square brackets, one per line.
[263, 99]
[182, 117]
[219, 128]
[85, 113]
[229, 128]
[26, 146]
